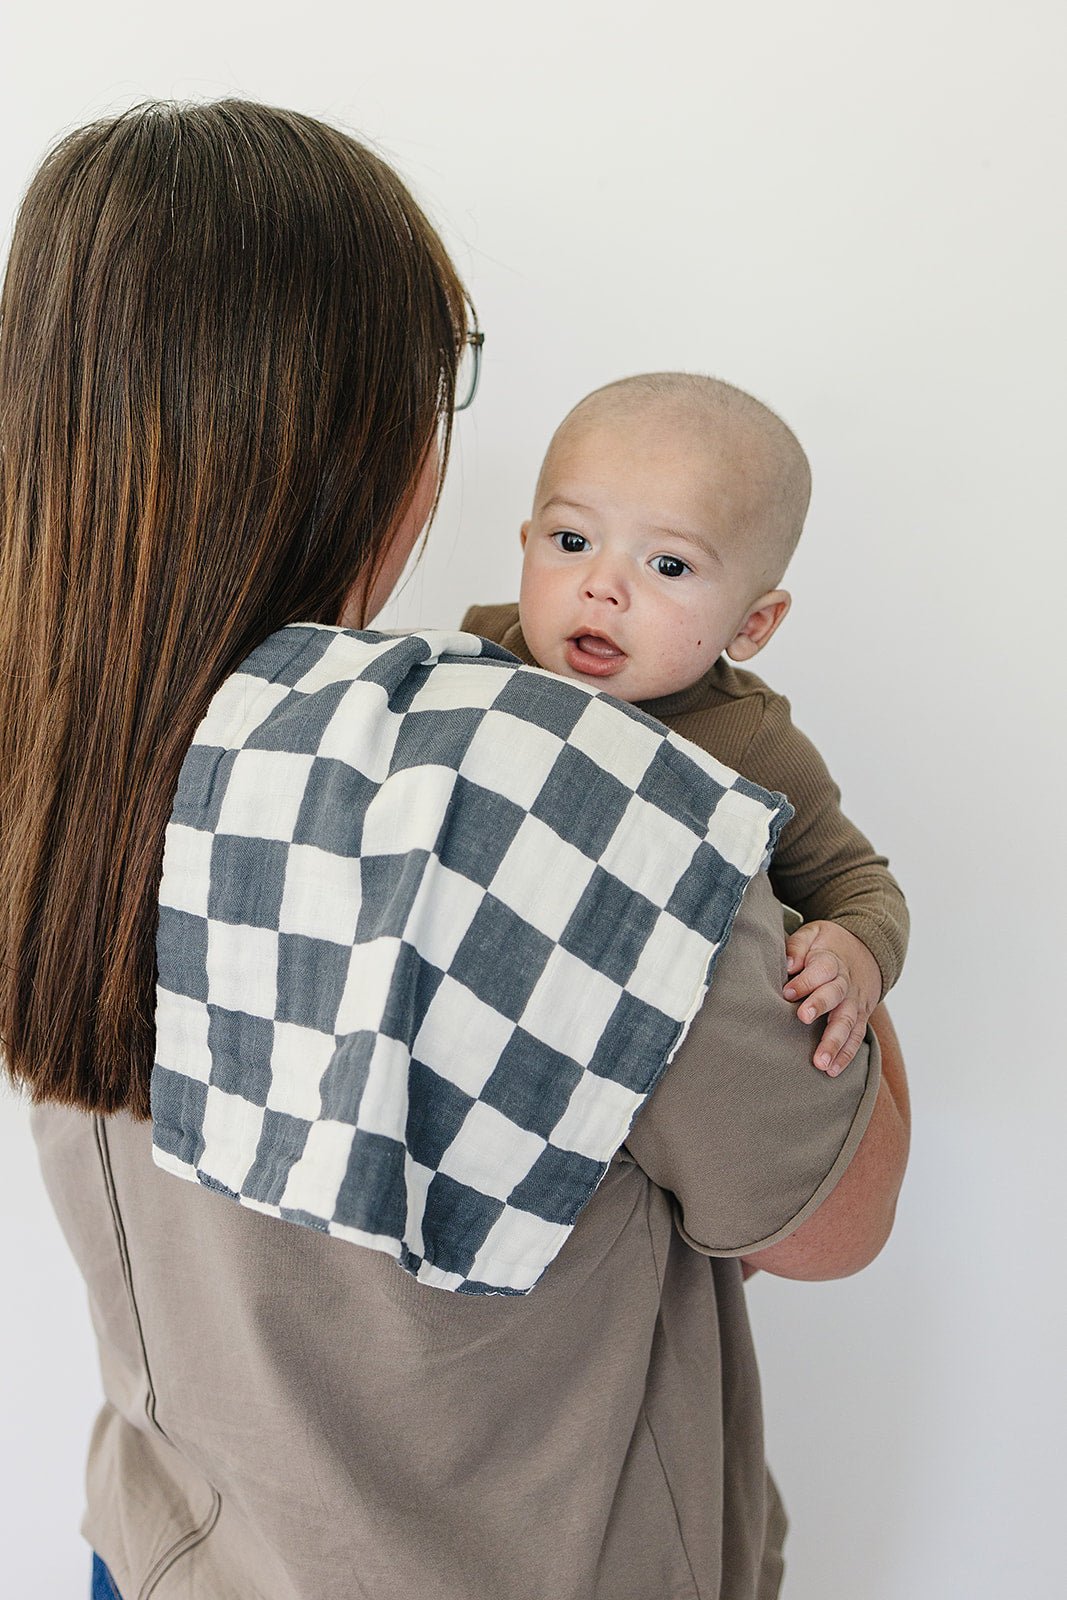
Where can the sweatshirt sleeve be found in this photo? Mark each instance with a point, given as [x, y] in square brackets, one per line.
[824, 866]
[741, 1129]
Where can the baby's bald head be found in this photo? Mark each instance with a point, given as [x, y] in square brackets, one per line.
[757, 459]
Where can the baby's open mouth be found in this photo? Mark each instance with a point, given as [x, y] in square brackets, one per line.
[595, 654]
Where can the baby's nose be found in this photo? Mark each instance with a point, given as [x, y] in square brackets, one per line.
[606, 584]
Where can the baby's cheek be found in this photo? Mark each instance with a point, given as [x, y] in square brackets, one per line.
[684, 639]
[688, 649]
[539, 618]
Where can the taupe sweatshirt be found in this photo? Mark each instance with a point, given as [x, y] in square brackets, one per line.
[289, 1416]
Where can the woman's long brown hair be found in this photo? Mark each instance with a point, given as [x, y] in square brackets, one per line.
[228, 336]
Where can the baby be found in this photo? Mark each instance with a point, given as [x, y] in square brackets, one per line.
[664, 517]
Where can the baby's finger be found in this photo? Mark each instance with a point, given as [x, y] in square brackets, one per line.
[797, 946]
[835, 1037]
[823, 968]
[823, 1000]
[832, 1065]
[855, 1039]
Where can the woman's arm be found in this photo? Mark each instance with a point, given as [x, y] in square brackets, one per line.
[766, 1157]
[854, 1221]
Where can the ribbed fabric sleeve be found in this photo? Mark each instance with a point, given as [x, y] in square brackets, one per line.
[823, 866]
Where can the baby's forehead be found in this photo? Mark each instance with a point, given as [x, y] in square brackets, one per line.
[703, 423]
[651, 433]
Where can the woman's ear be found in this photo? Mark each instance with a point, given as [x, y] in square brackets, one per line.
[523, 531]
[761, 622]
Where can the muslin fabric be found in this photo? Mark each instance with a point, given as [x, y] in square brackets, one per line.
[432, 925]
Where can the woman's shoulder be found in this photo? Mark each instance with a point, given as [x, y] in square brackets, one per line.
[501, 624]
[380, 704]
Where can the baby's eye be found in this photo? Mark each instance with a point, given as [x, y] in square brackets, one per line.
[572, 543]
[669, 566]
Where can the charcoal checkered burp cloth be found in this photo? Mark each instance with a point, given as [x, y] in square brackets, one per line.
[431, 926]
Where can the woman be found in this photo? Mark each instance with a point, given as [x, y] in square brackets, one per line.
[228, 366]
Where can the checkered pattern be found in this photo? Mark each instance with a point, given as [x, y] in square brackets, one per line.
[431, 925]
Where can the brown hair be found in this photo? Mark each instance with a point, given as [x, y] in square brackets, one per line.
[228, 337]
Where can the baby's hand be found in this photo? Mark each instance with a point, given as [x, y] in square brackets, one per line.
[835, 975]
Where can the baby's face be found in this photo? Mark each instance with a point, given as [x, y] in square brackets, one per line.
[632, 579]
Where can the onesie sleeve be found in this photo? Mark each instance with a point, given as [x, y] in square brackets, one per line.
[824, 865]
[741, 1129]
[490, 622]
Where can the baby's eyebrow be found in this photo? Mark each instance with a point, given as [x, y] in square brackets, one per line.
[559, 502]
[685, 536]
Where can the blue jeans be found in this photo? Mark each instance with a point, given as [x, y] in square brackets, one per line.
[103, 1582]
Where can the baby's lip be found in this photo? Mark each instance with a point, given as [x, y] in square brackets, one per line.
[593, 654]
[596, 643]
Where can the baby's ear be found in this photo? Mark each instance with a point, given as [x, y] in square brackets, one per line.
[523, 531]
[762, 622]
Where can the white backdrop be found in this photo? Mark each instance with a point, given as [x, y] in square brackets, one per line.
[855, 211]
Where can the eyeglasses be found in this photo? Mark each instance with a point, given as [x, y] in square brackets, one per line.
[469, 371]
